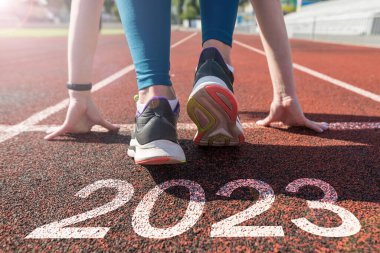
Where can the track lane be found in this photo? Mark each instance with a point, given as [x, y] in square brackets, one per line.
[353, 64]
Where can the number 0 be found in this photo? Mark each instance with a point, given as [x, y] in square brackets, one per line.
[140, 219]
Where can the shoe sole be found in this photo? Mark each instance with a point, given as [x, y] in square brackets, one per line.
[157, 152]
[214, 111]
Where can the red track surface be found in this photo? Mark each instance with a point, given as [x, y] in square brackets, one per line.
[39, 179]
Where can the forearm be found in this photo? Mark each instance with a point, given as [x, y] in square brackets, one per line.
[276, 45]
[83, 34]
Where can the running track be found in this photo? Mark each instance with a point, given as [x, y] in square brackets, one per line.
[40, 180]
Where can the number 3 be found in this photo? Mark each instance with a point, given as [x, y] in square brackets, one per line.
[350, 224]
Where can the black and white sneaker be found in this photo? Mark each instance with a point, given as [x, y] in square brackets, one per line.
[212, 105]
[154, 140]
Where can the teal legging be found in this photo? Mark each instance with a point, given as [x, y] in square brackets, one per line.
[147, 28]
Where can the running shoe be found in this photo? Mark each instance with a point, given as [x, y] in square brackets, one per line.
[154, 140]
[212, 105]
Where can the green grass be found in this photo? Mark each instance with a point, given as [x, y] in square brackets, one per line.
[47, 32]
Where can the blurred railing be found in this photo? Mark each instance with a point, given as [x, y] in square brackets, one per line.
[376, 25]
[344, 25]
[245, 23]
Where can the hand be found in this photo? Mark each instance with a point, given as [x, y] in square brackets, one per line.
[288, 112]
[81, 116]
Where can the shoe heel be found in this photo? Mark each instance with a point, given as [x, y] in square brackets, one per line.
[225, 99]
[195, 110]
[214, 111]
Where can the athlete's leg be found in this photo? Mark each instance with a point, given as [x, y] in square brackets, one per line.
[147, 28]
[212, 105]
[218, 23]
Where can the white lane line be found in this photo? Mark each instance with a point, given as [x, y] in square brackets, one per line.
[183, 40]
[256, 50]
[354, 125]
[123, 128]
[191, 126]
[321, 76]
[44, 114]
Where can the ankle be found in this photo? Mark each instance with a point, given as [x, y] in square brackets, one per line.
[156, 91]
[224, 49]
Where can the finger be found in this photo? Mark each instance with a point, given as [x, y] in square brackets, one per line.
[324, 125]
[52, 129]
[314, 126]
[109, 126]
[265, 122]
[279, 124]
[60, 131]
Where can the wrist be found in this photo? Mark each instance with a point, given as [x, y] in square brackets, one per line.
[284, 89]
[79, 94]
[282, 96]
[79, 87]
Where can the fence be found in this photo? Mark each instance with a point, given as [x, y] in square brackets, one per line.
[354, 25]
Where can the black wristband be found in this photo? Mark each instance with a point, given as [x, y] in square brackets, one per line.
[79, 87]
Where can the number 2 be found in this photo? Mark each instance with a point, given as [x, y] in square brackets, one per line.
[228, 228]
[59, 229]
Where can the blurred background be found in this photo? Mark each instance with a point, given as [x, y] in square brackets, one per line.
[344, 21]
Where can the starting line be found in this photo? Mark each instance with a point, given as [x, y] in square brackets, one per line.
[190, 126]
